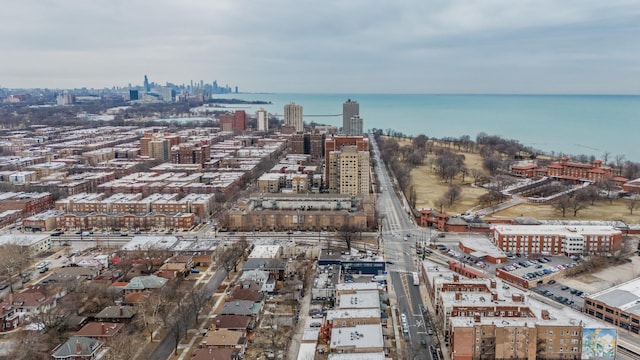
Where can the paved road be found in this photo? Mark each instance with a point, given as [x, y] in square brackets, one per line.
[399, 235]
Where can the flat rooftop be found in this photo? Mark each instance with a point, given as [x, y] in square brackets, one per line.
[483, 247]
[558, 315]
[569, 230]
[360, 300]
[359, 356]
[336, 314]
[625, 296]
[265, 252]
[357, 337]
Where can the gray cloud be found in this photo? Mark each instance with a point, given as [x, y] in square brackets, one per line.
[494, 46]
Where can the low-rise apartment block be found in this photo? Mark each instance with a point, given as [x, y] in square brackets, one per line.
[488, 318]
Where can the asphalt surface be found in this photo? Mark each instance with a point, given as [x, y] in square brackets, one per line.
[398, 237]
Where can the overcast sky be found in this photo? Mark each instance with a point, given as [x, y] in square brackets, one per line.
[343, 46]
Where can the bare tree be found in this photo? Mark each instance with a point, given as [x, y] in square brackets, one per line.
[14, 259]
[440, 203]
[348, 233]
[562, 204]
[120, 346]
[477, 175]
[453, 194]
[576, 204]
[632, 203]
[180, 321]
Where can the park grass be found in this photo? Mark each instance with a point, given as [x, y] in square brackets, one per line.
[429, 187]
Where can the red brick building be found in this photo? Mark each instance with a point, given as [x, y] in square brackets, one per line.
[565, 169]
[556, 239]
[28, 203]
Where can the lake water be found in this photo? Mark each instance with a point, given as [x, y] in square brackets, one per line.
[567, 124]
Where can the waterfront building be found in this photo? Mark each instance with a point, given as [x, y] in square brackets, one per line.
[349, 109]
[293, 116]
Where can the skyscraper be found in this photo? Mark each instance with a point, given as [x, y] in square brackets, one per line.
[355, 126]
[263, 120]
[147, 88]
[349, 110]
[293, 116]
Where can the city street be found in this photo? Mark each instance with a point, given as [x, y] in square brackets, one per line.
[399, 235]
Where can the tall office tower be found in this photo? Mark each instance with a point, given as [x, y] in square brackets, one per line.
[349, 171]
[263, 120]
[293, 116]
[355, 126]
[349, 110]
[147, 88]
[133, 95]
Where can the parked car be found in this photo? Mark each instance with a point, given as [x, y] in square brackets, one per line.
[551, 282]
[315, 325]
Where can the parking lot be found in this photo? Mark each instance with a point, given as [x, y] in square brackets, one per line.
[562, 293]
[539, 269]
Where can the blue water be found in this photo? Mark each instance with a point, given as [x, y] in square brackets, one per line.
[562, 124]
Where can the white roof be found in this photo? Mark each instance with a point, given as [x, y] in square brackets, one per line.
[482, 247]
[352, 313]
[360, 300]
[150, 242]
[306, 351]
[265, 252]
[357, 286]
[568, 230]
[22, 239]
[358, 356]
[359, 336]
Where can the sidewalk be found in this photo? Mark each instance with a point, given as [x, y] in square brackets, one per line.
[432, 314]
[305, 304]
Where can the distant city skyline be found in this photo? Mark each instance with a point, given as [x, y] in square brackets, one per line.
[498, 46]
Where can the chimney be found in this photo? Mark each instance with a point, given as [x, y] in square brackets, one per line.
[121, 311]
[458, 296]
[456, 278]
[476, 318]
[78, 347]
[494, 296]
[493, 284]
[517, 298]
[102, 330]
[545, 315]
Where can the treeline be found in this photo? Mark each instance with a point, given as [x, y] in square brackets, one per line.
[497, 154]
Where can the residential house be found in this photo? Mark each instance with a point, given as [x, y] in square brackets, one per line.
[77, 348]
[32, 302]
[10, 318]
[224, 338]
[216, 354]
[233, 322]
[241, 307]
[116, 314]
[147, 282]
[244, 292]
[98, 330]
[73, 273]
